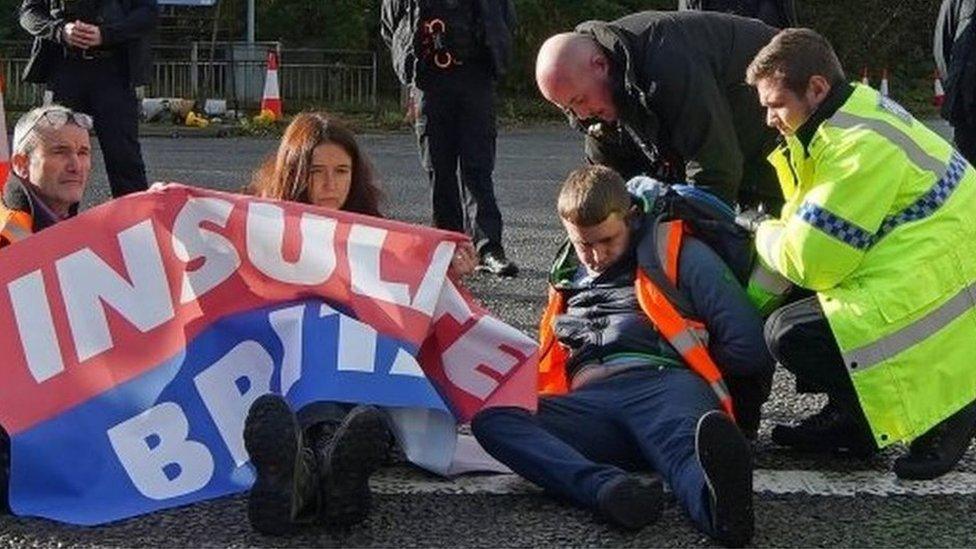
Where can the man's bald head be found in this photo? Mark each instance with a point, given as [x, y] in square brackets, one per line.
[573, 72]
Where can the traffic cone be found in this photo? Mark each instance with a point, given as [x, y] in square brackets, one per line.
[864, 77]
[271, 99]
[884, 83]
[939, 96]
[4, 144]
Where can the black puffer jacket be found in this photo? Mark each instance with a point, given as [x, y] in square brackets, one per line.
[400, 21]
[685, 111]
[778, 13]
[953, 45]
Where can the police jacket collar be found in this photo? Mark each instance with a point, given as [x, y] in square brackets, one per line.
[836, 97]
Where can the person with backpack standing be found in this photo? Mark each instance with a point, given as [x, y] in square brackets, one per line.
[775, 13]
[450, 53]
[954, 47]
[879, 223]
[645, 325]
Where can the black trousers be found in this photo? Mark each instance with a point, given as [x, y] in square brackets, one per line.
[799, 338]
[964, 136]
[101, 88]
[456, 129]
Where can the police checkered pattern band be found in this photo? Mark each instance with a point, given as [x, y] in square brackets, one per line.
[858, 237]
[931, 201]
[835, 226]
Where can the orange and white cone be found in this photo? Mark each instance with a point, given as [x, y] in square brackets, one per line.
[4, 145]
[864, 77]
[271, 98]
[938, 97]
[883, 88]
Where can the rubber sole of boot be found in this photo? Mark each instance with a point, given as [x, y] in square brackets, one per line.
[726, 459]
[632, 502]
[272, 439]
[911, 469]
[358, 448]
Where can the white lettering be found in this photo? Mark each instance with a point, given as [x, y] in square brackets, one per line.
[154, 450]
[265, 240]
[365, 248]
[287, 325]
[35, 325]
[430, 287]
[478, 348]
[192, 242]
[406, 365]
[230, 386]
[87, 281]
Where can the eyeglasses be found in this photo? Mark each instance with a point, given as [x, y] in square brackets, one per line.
[56, 119]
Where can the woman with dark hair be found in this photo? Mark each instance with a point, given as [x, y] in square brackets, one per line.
[315, 465]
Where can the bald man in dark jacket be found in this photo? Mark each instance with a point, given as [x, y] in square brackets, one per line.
[676, 104]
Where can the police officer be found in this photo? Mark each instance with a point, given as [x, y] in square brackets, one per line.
[91, 54]
[451, 52]
[878, 222]
[954, 44]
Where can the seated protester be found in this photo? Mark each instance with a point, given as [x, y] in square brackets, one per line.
[633, 398]
[316, 465]
[51, 161]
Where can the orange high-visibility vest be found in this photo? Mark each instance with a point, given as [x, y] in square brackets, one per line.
[687, 336]
[14, 225]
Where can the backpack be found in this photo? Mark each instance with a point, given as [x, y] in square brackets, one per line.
[706, 217]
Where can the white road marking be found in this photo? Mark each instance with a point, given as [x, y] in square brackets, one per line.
[817, 483]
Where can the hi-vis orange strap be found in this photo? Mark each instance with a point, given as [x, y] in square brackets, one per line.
[683, 334]
[14, 225]
[552, 356]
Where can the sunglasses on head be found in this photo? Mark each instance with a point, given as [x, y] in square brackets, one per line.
[56, 119]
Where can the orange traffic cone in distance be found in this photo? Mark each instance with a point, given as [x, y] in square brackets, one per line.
[938, 97]
[864, 77]
[271, 98]
[883, 88]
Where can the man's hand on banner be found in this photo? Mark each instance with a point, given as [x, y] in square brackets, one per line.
[465, 259]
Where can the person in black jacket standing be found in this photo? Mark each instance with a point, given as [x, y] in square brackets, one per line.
[451, 52]
[953, 45]
[91, 55]
[663, 94]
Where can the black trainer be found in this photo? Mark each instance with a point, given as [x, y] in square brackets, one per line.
[829, 430]
[939, 450]
[631, 502]
[358, 448]
[285, 492]
[495, 262]
[726, 459]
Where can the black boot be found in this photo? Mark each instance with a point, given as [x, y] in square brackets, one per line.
[631, 501]
[939, 450]
[358, 448]
[285, 493]
[829, 430]
[726, 459]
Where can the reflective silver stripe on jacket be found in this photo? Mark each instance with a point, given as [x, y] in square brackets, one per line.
[769, 281]
[721, 390]
[893, 344]
[16, 232]
[911, 149]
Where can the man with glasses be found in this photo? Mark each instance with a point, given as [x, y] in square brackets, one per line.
[91, 55]
[51, 161]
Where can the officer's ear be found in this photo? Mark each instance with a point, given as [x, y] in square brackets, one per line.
[20, 164]
[817, 90]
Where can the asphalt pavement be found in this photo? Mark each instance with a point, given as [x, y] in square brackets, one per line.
[800, 501]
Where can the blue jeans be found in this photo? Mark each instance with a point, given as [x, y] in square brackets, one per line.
[577, 442]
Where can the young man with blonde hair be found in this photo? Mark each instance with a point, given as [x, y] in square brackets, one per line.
[636, 342]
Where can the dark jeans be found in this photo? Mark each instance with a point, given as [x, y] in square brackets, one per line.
[100, 88]
[578, 442]
[456, 127]
[800, 339]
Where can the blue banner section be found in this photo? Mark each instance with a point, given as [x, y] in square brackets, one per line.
[174, 435]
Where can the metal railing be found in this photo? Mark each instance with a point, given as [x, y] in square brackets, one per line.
[231, 71]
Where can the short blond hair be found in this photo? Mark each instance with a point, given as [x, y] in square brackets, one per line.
[592, 194]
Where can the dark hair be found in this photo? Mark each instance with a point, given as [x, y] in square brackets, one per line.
[285, 175]
[795, 55]
[591, 194]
